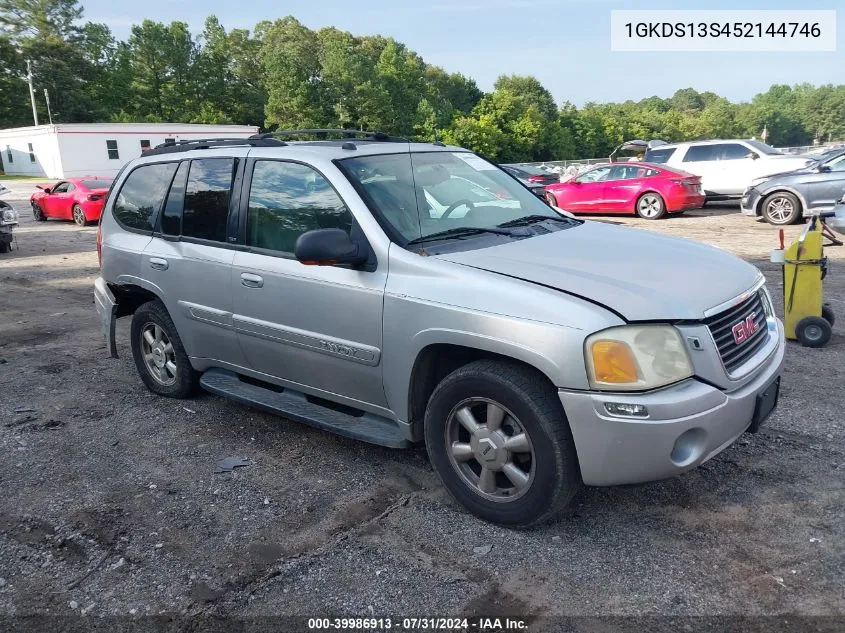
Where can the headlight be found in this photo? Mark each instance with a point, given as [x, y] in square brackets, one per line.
[10, 215]
[636, 357]
[759, 181]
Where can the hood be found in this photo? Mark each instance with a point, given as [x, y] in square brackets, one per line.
[638, 274]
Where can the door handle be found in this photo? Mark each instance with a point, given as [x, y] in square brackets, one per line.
[252, 281]
[158, 263]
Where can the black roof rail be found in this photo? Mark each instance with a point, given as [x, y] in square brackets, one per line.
[208, 143]
[350, 134]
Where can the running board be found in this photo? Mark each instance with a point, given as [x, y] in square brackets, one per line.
[295, 405]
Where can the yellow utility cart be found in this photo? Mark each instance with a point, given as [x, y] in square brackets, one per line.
[807, 318]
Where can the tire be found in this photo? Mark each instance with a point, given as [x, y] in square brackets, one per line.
[781, 208]
[813, 331]
[550, 199]
[172, 375]
[78, 216]
[547, 463]
[650, 206]
[37, 213]
[828, 315]
[5, 247]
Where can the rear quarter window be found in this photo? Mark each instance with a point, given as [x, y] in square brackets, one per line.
[659, 155]
[700, 153]
[137, 203]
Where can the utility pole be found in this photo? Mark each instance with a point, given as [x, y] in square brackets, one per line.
[47, 99]
[31, 90]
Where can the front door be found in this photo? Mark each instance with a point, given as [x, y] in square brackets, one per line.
[586, 193]
[60, 201]
[315, 327]
[826, 188]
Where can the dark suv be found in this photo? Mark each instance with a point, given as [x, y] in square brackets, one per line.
[785, 198]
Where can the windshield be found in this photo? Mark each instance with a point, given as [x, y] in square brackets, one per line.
[763, 148]
[424, 193]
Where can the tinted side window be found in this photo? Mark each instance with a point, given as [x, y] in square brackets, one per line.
[594, 175]
[658, 155]
[207, 198]
[171, 217]
[732, 151]
[287, 200]
[698, 153]
[142, 194]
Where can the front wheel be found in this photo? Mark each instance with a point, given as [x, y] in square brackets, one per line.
[781, 208]
[37, 213]
[79, 216]
[498, 438]
[159, 355]
[550, 199]
[650, 206]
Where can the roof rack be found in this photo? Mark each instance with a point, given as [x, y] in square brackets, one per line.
[208, 143]
[350, 134]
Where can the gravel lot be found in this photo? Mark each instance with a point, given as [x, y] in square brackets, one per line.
[111, 505]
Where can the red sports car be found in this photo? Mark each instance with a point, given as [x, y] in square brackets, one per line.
[651, 191]
[77, 199]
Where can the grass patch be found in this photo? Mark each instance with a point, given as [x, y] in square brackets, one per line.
[21, 178]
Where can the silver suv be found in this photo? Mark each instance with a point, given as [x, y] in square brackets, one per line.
[398, 292]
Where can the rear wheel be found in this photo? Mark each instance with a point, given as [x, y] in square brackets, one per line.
[650, 206]
[813, 331]
[499, 440]
[827, 314]
[5, 247]
[159, 355]
[79, 216]
[781, 208]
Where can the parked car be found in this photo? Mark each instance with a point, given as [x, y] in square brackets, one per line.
[8, 222]
[650, 191]
[528, 350]
[726, 167]
[530, 175]
[77, 199]
[785, 198]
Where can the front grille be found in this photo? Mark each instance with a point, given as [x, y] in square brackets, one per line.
[722, 328]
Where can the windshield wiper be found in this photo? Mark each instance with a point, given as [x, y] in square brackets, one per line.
[534, 219]
[460, 231]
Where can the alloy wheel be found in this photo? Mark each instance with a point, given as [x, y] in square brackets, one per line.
[649, 206]
[78, 216]
[780, 209]
[490, 450]
[158, 354]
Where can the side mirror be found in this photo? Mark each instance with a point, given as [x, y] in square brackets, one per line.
[822, 169]
[46, 190]
[752, 155]
[328, 247]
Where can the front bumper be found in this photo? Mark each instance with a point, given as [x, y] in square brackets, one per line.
[614, 451]
[748, 202]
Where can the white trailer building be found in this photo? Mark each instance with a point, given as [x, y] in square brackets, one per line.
[68, 150]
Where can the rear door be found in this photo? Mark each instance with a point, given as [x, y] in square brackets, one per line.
[190, 256]
[586, 192]
[702, 160]
[316, 327]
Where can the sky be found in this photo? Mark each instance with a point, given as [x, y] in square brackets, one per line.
[564, 43]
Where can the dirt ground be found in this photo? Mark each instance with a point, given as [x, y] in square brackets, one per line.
[111, 507]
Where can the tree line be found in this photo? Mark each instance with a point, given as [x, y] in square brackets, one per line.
[282, 75]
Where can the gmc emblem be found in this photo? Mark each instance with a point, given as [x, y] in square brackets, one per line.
[745, 329]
